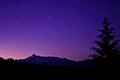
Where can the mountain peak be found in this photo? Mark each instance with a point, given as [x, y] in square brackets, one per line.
[34, 54]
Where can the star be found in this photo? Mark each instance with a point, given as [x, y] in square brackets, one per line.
[0, 11]
[116, 11]
[117, 8]
[93, 9]
[15, 22]
[22, 17]
[48, 17]
[42, 22]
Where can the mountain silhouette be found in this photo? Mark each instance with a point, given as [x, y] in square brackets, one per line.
[55, 61]
[51, 61]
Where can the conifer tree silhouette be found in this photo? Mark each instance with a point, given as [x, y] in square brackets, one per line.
[107, 47]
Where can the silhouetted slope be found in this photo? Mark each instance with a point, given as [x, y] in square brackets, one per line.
[55, 61]
[34, 59]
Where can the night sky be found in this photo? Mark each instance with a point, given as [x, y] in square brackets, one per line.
[61, 28]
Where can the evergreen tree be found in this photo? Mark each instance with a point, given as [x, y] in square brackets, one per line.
[106, 47]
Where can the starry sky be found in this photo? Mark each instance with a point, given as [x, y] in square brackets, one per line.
[61, 28]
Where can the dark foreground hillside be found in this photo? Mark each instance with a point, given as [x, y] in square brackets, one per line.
[15, 71]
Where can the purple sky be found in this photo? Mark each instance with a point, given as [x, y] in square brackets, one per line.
[61, 28]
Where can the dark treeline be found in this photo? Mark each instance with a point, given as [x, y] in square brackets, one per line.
[10, 69]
